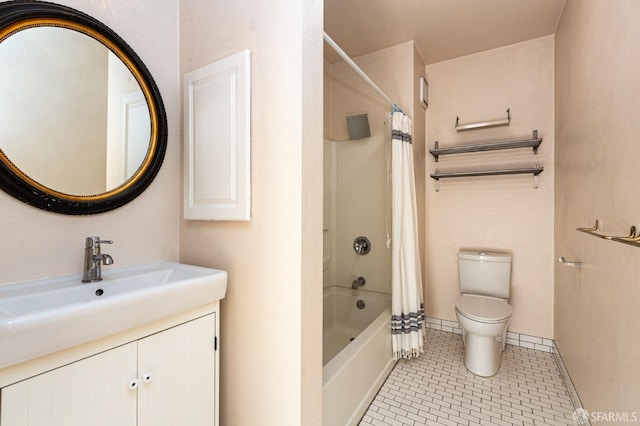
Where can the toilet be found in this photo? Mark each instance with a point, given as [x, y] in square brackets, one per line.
[482, 310]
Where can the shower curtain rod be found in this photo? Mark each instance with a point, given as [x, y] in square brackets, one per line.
[362, 74]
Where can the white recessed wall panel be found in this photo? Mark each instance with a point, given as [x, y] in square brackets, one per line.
[217, 137]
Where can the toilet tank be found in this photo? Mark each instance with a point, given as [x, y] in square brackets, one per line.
[485, 273]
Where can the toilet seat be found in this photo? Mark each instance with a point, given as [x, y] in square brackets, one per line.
[483, 308]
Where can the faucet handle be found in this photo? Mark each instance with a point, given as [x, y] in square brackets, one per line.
[91, 242]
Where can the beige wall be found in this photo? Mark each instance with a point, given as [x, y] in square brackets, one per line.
[391, 70]
[419, 151]
[39, 244]
[396, 71]
[271, 369]
[597, 326]
[500, 212]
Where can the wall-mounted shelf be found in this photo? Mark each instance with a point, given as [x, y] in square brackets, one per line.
[535, 170]
[534, 143]
[483, 124]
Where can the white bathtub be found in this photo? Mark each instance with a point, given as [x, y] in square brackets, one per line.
[355, 370]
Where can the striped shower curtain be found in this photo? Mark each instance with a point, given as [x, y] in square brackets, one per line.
[407, 309]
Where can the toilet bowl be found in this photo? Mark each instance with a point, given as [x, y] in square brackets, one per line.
[482, 310]
[484, 321]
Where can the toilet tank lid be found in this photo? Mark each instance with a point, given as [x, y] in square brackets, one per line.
[484, 256]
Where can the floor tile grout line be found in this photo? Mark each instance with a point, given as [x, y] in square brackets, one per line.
[441, 373]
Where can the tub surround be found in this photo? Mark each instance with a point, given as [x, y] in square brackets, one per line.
[346, 314]
[353, 376]
[355, 205]
[397, 71]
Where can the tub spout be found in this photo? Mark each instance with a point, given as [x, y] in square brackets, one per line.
[358, 282]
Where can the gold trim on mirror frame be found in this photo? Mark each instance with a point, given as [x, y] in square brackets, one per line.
[153, 113]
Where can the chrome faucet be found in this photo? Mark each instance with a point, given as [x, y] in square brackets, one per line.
[93, 259]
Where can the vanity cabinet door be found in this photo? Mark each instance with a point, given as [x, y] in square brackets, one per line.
[166, 379]
[177, 371]
[94, 391]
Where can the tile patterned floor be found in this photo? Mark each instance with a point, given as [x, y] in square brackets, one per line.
[436, 389]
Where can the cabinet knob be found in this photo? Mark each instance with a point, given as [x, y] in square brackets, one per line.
[146, 377]
[133, 384]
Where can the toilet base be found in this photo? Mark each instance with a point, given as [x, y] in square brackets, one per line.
[482, 355]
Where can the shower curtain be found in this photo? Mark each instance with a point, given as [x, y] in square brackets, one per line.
[407, 309]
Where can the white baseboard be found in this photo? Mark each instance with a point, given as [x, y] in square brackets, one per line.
[516, 339]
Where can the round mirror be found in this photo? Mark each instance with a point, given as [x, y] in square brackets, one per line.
[82, 125]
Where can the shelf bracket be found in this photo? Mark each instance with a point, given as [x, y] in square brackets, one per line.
[534, 136]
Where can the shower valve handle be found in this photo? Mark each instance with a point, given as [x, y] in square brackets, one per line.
[362, 245]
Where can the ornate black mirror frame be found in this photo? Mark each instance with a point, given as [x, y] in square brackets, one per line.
[19, 15]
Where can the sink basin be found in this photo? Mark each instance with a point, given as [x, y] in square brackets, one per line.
[44, 316]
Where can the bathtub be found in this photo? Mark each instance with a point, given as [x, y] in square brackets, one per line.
[357, 354]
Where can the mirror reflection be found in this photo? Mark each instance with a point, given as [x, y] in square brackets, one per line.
[72, 116]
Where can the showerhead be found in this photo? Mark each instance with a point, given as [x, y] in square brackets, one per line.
[358, 126]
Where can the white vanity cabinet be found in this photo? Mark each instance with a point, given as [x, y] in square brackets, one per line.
[167, 378]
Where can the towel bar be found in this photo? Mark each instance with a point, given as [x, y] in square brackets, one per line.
[483, 124]
[632, 239]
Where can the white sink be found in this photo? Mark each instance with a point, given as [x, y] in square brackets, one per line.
[44, 316]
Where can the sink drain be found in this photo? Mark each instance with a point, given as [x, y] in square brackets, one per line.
[99, 292]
